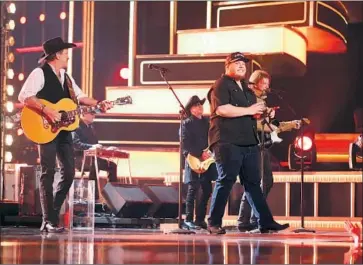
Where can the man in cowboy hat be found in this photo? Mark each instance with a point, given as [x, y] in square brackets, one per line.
[234, 141]
[195, 142]
[84, 138]
[51, 82]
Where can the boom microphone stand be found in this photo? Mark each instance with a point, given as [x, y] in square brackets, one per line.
[182, 116]
[302, 228]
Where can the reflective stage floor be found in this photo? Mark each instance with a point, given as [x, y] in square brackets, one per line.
[143, 246]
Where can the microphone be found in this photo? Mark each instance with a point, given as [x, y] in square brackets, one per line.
[157, 68]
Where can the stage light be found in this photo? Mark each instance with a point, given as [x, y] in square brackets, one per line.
[303, 147]
[11, 41]
[9, 125]
[21, 77]
[9, 139]
[8, 156]
[41, 17]
[305, 143]
[11, 8]
[10, 73]
[63, 15]
[22, 20]
[125, 73]
[9, 106]
[11, 57]
[11, 25]
[19, 131]
[10, 90]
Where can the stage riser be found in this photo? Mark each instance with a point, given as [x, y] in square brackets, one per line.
[333, 200]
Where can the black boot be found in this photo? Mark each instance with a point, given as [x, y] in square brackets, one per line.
[191, 226]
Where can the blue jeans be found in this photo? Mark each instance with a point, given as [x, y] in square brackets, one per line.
[233, 160]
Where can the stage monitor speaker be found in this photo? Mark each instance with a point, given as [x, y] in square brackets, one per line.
[165, 199]
[126, 200]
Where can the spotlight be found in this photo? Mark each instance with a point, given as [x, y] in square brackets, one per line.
[63, 15]
[11, 41]
[9, 139]
[8, 156]
[10, 73]
[22, 20]
[41, 17]
[9, 90]
[302, 147]
[11, 57]
[124, 73]
[11, 8]
[11, 25]
[9, 125]
[19, 131]
[9, 106]
[21, 77]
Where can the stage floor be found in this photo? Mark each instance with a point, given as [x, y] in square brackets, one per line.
[144, 246]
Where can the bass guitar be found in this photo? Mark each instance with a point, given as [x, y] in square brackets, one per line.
[39, 129]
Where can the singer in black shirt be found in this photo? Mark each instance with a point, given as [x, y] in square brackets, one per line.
[85, 138]
[234, 141]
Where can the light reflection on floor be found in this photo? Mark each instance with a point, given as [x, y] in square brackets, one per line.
[126, 246]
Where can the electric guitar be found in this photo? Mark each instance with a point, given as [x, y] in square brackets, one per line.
[272, 137]
[39, 129]
[199, 166]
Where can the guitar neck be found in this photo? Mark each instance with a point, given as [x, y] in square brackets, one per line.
[286, 126]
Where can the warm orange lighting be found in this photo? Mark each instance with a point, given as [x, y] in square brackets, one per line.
[158, 100]
[21, 77]
[11, 57]
[11, 41]
[253, 40]
[305, 143]
[124, 73]
[63, 15]
[41, 17]
[22, 20]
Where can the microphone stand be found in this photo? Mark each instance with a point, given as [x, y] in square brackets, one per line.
[302, 228]
[182, 116]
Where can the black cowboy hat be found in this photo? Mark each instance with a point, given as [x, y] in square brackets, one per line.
[53, 46]
[194, 100]
[236, 56]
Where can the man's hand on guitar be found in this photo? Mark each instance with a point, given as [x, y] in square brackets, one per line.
[205, 155]
[52, 114]
[106, 105]
[257, 108]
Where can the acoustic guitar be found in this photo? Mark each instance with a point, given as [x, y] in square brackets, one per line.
[39, 129]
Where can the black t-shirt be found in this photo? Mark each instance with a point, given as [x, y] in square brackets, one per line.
[238, 130]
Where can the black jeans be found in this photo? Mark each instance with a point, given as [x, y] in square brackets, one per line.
[105, 165]
[196, 183]
[61, 147]
[233, 160]
[246, 214]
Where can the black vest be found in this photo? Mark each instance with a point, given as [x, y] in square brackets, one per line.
[52, 90]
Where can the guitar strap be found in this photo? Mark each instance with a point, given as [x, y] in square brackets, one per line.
[70, 88]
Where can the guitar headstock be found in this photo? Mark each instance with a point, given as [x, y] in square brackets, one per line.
[306, 120]
[123, 100]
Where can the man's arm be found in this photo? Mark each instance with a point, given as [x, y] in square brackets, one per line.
[77, 143]
[33, 84]
[220, 100]
[188, 142]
